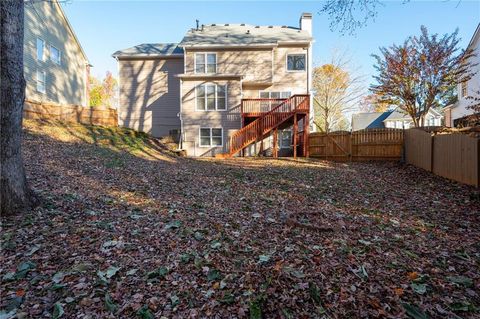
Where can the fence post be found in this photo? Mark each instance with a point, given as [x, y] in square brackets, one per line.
[350, 155]
[478, 162]
[432, 138]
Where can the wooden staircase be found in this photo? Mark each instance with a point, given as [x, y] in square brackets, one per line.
[266, 122]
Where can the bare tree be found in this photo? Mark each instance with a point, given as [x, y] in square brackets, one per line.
[350, 15]
[14, 193]
[422, 73]
[337, 91]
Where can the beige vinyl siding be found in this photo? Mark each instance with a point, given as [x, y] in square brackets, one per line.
[150, 95]
[296, 82]
[255, 65]
[193, 120]
[259, 68]
[64, 83]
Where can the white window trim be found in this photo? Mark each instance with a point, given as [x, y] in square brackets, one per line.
[216, 98]
[295, 71]
[211, 136]
[59, 55]
[205, 59]
[43, 49]
[44, 82]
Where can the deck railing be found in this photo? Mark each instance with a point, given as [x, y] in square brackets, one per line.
[255, 106]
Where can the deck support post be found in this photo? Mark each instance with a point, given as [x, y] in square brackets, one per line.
[306, 129]
[295, 131]
[275, 142]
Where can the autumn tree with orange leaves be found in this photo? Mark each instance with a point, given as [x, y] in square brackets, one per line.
[421, 73]
[337, 91]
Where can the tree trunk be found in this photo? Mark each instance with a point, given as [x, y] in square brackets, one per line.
[14, 193]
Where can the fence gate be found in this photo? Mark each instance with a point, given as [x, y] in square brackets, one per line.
[371, 144]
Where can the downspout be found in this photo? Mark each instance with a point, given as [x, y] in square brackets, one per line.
[309, 80]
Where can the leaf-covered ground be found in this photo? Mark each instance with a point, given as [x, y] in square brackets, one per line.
[125, 230]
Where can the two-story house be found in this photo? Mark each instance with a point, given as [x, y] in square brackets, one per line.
[55, 66]
[224, 89]
[467, 89]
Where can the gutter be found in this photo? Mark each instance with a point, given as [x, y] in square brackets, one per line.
[227, 46]
[147, 56]
[209, 76]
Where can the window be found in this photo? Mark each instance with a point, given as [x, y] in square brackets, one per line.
[211, 97]
[275, 95]
[296, 62]
[205, 63]
[55, 55]
[266, 106]
[464, 89]
[210, 137]
[285, 139]
[41, 81]
[40, 49]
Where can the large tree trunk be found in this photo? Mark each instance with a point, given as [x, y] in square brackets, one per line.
[14, 193]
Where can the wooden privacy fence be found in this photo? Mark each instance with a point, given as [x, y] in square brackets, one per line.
[455, 156]
[70, 113]
[370, 144]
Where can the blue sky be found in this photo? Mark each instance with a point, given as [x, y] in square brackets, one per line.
[106, 26]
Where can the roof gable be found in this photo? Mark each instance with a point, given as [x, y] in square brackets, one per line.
[70, 28]
[362, 121]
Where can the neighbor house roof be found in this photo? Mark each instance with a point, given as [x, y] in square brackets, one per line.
[242, 35]
[151, 50]
[399, 115]
[361, 121]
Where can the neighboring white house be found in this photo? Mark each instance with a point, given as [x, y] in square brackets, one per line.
[394, 118]
[468, 88]
[398, 119]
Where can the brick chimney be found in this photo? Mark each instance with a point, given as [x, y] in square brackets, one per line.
[306, 22]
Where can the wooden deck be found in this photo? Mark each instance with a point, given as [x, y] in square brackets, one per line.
[262, 117]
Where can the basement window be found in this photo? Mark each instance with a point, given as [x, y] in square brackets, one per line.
[211, 137]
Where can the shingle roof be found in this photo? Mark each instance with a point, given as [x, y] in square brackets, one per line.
[150, 49]
[243, 34]
[361, 121]
[397, 115]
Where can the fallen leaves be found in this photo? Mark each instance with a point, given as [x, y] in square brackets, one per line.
[160, 236]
